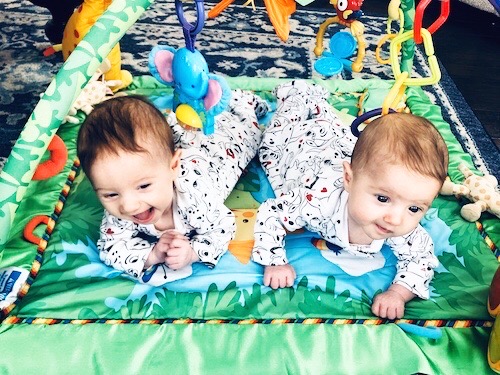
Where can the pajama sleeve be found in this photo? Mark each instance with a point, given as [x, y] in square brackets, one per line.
[122, 246]
[213, 232]
[416, 261]
[274, 218]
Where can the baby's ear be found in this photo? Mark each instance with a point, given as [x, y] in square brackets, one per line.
[175, 162]
[347, 175]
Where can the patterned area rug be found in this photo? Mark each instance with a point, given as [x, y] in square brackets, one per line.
[239, 42]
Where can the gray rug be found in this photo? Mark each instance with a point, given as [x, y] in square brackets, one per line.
[239, 42]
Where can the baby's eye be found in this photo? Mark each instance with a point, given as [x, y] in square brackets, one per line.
[415, 209]
[109, 195]
[144, 186]
[382, 198]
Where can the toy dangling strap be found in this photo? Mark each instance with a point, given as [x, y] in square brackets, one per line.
[190, 31]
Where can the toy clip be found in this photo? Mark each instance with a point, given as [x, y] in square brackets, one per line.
[191, 30]
[419, 14]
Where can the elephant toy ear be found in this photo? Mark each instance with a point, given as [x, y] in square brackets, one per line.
[214, 94]
[160, 64]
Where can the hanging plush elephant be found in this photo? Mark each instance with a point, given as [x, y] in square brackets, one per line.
[187, 71]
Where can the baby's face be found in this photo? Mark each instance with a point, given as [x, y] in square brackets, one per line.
[135, 186]
[386, 201]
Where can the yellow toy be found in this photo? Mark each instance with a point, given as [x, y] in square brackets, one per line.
[188, 118]
[82, 19]
[481, 190]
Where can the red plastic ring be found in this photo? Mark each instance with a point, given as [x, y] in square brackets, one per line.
[419, 15]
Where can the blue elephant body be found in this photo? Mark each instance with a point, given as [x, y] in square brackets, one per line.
[187, 71]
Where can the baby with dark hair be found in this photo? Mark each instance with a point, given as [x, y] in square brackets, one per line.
[163, 187]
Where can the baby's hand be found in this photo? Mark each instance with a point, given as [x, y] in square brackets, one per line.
[179, 253]
[279, 276]
[159, 252]
[391, 303]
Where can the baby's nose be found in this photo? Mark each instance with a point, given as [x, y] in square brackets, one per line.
[393, 217]
[128, 205]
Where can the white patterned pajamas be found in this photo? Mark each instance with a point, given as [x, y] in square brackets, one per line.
[210, 167]
[302, 152]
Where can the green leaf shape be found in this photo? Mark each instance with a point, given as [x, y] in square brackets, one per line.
[461, 291]
[321, 303]
[175, 305]
[250, 308]
[221, 303]
[135, 308]
[81, 222]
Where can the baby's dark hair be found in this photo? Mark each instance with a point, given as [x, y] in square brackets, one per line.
[119, 124]
[402, 138]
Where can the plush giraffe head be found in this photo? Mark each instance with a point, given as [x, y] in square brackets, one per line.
[480, 190]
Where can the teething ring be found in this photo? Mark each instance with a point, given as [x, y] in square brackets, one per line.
[56, 162]
[30, 227]
[364, 117]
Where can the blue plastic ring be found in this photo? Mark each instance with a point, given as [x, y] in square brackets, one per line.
[366, 116]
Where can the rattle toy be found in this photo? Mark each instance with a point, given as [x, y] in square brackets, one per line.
[348, 13]
[342, 46]
[202, 95]
[481, 190]
[365, 117]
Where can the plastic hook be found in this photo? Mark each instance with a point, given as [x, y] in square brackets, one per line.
[191, 30]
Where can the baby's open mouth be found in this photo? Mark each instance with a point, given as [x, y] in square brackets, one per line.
[383, 230]
[145, 216]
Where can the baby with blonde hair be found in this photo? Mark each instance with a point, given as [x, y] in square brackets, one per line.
[357, 194]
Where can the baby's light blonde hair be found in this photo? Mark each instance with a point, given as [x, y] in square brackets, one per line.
[119, 124]
[403, 139]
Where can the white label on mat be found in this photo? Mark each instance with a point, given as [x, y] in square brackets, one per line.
[11, 280]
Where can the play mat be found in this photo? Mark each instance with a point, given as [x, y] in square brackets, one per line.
[73, 314]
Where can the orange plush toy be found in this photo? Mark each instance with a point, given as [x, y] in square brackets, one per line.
[79, 24]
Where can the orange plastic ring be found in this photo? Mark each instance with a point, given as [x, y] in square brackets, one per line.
[56, 162]
[30, 227]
